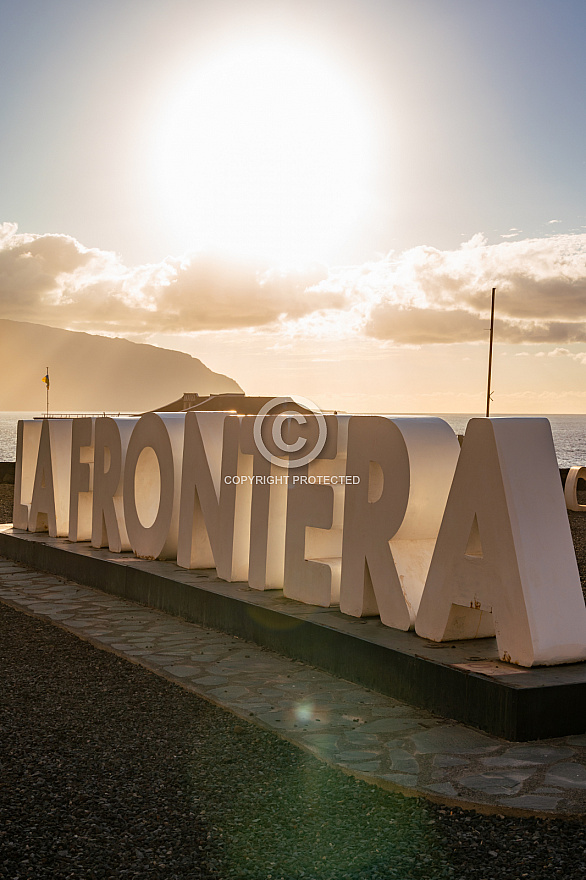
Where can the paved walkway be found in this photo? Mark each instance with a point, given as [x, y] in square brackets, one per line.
[368, 735]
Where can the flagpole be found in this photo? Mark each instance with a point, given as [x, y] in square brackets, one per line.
[47, 384]
[488, 391]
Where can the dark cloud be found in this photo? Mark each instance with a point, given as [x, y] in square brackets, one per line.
[412, 326]
[432, 296]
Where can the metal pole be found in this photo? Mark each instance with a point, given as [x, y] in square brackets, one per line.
[488, 391]
[47, 383]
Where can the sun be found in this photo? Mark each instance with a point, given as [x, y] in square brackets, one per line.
[264, 150]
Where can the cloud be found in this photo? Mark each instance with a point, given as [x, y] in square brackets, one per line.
[53, 279]
[423, 326]
[206, 292]
[422, 296]
[428, 295]
[31, 266]
[579, 357]
[414, 326]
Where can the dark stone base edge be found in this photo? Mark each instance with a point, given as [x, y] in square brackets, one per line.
[513, 714]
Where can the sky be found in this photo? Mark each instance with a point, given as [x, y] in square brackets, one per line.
[314, 197]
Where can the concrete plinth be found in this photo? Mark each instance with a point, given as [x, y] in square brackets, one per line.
[461, 680]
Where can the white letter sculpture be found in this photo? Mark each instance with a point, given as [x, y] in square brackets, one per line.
[27, 450]
[81, 483]
[214, 528]
[48, 443]
[393, 512]
[358, 524]
[151, 485]
[314, 522]
[571, 488]
[268, 513]
[111, 438]
[504, 559]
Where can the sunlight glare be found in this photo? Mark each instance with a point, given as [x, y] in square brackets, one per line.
[264, 151]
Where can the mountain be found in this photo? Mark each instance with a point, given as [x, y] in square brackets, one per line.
[95, 373]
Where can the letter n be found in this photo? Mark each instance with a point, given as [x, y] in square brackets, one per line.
[208, 530]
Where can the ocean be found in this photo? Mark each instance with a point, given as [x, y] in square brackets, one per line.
[569, 434]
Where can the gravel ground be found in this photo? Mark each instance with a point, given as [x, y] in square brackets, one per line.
[6, 497]
[578, 527]
[111, 772]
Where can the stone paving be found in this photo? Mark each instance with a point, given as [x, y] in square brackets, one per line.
[367, 734]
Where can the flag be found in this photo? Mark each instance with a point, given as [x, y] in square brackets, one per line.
[46, 379]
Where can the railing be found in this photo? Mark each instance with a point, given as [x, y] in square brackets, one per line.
[79, 415]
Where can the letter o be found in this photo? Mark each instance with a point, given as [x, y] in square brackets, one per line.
[147, 491]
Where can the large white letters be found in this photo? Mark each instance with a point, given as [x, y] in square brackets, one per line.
[27, 450]
[314, 523]
[49, 507]
[268, 512]
[504, 559]
[110, 444]
[208, 536]
[393, 513]
[358, 525]
[151, 483]
[81, 482]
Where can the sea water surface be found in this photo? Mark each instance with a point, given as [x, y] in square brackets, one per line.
[569, 434]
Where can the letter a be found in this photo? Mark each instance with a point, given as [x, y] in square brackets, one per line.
[504, 559]
[42, 513]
